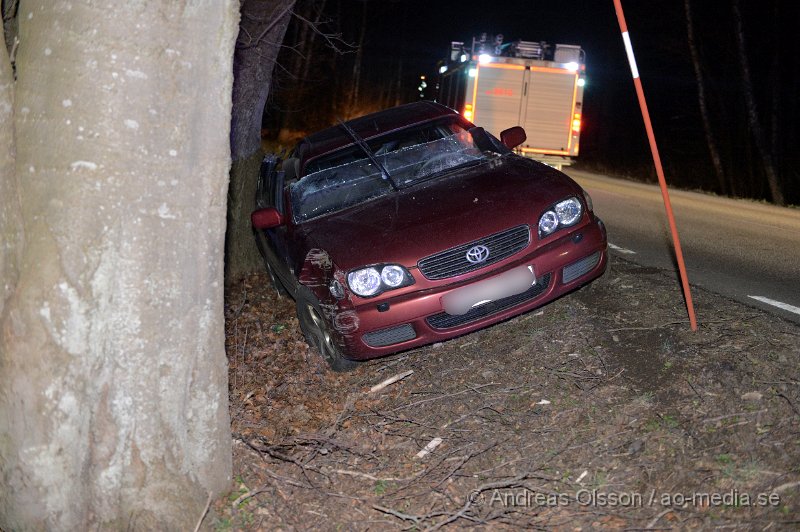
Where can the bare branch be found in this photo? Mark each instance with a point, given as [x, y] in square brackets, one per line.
[331, 38]
[266, 30]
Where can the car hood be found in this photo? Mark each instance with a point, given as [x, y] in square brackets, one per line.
[444, 212]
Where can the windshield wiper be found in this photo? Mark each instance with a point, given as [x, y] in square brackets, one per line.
[449, 169]
[363, 145]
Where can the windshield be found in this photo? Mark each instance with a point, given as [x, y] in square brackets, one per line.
[347, 177]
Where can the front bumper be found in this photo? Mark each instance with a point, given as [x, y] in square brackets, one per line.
[395, 323]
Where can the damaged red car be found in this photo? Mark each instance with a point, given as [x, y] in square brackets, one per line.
[411, 226]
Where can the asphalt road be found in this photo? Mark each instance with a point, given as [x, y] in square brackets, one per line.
[742, 249]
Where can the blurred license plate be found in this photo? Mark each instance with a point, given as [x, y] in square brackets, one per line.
[507, 284]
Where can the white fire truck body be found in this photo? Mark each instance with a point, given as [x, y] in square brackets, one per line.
[533, 85]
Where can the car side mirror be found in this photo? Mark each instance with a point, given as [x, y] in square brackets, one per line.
[267, 218]
[513, 137]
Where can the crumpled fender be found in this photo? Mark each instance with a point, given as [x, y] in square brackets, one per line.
[317, 274]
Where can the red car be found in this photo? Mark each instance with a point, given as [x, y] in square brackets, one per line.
[411, 226]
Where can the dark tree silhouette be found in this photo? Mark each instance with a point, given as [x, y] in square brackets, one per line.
[765, 154]
[262, 28]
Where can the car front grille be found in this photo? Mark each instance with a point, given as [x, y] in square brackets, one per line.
[444, 320]
[392, 335]
[578, 268]
[454, 261]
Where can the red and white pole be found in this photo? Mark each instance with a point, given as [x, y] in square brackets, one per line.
[657, 160]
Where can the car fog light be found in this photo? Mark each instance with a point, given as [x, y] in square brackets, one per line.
[364, 282]
[392, 275]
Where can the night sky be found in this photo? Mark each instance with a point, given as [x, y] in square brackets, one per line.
[418, 33]
[423, 32]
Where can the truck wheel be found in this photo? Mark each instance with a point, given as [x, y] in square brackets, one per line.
[317, 332]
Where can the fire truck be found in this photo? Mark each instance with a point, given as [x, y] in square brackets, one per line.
[536, 85]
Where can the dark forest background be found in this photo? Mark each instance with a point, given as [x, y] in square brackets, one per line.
[344, 58]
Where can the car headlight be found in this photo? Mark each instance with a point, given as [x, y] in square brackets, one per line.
[373, 280]
[364, 282]
[548, 223]
[562, 214]
[392, 275]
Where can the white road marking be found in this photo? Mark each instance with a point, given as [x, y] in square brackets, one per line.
[779, 304]
[621, 250]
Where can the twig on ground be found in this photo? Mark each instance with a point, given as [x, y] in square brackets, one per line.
[472, 497]
[370, 477]
[726, 416]
[238, 311]
[695, 390]
[272, 452]
[349, 402]
[405, 517]
[463, 460]
[433, 444]
[668, 324]
[655, 520]
[391, 363]
[250, 493]
[390, 381]
[203, 515]
[787, 486]
[444, 396]
[790, 403]
[485, 406]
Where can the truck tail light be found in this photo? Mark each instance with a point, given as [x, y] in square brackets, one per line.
[468, 112]
[576, 123]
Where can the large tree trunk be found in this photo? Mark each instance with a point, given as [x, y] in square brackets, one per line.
[113, 377]
[713, 152]
[262, 29]
[754, 120]
[11, 235]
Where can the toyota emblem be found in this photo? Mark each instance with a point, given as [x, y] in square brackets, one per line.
[477, 254]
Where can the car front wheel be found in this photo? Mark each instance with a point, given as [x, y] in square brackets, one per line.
[317, 331]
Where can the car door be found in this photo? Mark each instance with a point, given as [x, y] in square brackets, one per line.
[273, 242]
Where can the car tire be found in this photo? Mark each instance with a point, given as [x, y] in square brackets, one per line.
[317, 332]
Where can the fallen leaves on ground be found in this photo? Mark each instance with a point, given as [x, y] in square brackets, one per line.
[599, 410]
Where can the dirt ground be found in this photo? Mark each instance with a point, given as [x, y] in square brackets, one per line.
[600, 410]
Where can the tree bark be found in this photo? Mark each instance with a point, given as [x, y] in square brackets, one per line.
[754, 120]
[113, 377]
[261, 33]
[713, 152]
[10, 22]
[11, 235]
